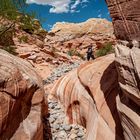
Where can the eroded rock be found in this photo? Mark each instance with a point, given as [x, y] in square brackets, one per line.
[89, 98]
[22, 103]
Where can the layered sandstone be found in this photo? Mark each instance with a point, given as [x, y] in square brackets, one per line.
[88, 96]
[128, 103]
[126, 18]
[22, 103]
[126, 22]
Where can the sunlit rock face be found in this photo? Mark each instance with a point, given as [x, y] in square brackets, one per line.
[22, 103]
[128, 103]
[88, 95]
[126, 18]
[67, 36]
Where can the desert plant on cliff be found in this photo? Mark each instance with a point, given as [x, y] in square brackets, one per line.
[106, 49]
[9, 8]
[10, 49]
[23, 39]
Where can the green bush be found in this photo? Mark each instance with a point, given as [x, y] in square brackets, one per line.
[23, 39]
[27, 24]
[10, 49]
[106, 49]
[73, 52]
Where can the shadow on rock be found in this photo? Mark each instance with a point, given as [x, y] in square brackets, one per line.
[110, 88]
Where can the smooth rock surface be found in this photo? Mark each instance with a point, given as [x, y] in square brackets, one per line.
[128, 102]
[22, 103]
[88, 97]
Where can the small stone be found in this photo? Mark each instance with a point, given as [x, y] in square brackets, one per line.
[51, 120]
[56, 126]
[51, 106]
[80, 134]
[73, 136]
[67, 127]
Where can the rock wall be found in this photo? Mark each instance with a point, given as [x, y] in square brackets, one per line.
[126, 18]
[88, 96]
[22, 103]
[126, 21]
[128, 103]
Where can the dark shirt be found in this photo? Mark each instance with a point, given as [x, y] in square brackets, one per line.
[89, 51]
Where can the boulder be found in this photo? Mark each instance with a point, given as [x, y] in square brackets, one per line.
[22, 103]
[88, 95]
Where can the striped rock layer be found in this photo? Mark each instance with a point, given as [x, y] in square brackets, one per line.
[88, 95]
[22, 103]
[128, 102]
[126, 18]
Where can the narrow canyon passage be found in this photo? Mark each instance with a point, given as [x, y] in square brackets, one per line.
[56, 126]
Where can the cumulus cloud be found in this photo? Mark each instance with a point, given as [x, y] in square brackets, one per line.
[59, 6]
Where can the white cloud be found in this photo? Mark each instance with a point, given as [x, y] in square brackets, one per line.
[100, 15]
[59, 6]
[77, 2]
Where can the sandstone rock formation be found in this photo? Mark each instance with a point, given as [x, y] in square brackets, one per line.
[88, 96]
[77, 36]
[126, 18]
[128, 103]
[22, 103]
[126, 21]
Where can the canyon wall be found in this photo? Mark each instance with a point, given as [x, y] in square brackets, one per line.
[126, 22]
[126, 18]
[22, 103]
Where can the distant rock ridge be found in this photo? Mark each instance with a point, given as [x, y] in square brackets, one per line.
[93, 25]
[77, 36]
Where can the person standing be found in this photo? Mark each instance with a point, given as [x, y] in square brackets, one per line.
[90, 53]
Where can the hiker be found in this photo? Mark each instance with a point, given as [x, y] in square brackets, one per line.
[90, 53]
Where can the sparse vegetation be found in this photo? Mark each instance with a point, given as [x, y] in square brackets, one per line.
[9, 8]
[10, 49]
[106, 49]
[27, 23]
[23, 39]
[74, 52]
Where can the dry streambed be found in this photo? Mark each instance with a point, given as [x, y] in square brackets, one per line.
[58, 129]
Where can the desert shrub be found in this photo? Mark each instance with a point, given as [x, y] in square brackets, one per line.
[10, 49]
[27, 24]
[23, 39]
[106, 49]
[9, 8]
[73, 52]
[6, 35]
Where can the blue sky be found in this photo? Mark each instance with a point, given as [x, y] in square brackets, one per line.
[52, 11]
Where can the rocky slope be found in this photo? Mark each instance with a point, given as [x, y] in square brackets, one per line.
[30, 46]
[77, 36]
[22, 100]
